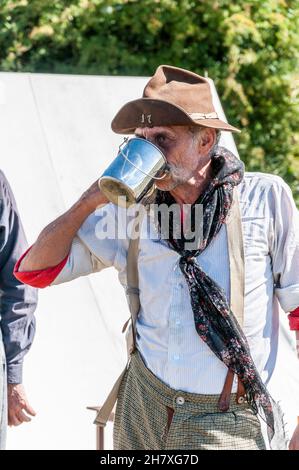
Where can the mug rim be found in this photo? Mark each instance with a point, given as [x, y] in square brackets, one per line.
[148, 142]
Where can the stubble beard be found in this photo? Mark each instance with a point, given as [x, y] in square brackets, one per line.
[177, 176]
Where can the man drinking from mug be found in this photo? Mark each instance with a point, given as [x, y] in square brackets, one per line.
[206, 333]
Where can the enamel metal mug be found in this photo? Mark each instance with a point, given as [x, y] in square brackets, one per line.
[132, 174]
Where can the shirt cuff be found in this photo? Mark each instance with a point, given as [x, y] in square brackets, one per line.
[288, 297]
[294, 320]
[15, 373]
[40, 277]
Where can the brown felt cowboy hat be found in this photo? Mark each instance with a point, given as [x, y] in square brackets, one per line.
[172, 97]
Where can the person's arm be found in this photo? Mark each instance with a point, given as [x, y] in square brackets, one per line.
[18, 303]
[285, 261]
[284, 247]
[91, 249]
[54, 242]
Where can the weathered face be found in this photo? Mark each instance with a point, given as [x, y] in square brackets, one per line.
[185, 152]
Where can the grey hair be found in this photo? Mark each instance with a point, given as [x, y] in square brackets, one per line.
[197, 132]
[217, 139]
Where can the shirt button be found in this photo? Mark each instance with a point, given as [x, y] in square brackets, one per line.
[180, 400]
[176, 357]
[177, 322]
[181, 285]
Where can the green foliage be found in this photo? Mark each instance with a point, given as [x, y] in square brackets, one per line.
[250, 49]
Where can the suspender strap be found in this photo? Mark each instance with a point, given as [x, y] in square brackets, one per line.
[104, 412]
[236, 259]
[132, 292]
[237, 289]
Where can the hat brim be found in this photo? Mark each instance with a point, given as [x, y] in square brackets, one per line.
[150, 112]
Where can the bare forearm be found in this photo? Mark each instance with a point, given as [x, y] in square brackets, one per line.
[54, 242]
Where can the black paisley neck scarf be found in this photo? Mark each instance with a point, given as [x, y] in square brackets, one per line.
[214, 321]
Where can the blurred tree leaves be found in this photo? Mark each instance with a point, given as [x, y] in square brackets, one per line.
[249, 48]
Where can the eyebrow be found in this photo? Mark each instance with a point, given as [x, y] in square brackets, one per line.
[164, 133]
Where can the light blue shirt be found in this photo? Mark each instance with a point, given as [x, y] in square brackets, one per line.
[166, 335]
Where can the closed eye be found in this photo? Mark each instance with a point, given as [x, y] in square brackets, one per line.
[160, 139]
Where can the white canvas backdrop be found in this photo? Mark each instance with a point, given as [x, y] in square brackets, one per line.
[55, 141]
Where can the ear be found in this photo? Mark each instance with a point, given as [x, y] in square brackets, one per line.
[207, 140]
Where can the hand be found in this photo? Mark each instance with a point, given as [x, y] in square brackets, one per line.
[93, 196]
[294, 442]
[18, 405]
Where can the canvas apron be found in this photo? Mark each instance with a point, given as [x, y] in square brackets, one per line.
[236, 264]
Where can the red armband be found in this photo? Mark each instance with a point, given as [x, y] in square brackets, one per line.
[294, 319]
[40, 277]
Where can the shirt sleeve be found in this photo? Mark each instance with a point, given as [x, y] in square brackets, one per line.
[18, 301]
[285, 245]
[93, 249]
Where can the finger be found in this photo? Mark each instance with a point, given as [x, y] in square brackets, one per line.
[22, 417]
[291, 446]
[29, 409]
[13, 420]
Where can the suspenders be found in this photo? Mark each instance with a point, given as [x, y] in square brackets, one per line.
[237, 284]
[237, 289]
[236, 259]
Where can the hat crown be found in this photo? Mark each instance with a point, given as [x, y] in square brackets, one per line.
[182, 88]
[172, 97]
